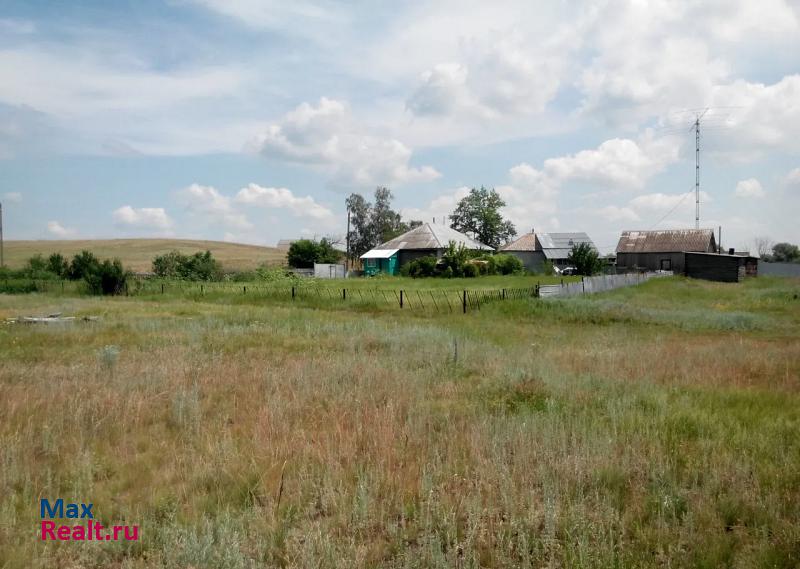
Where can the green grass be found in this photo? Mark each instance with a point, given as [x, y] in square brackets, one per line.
[647, 427]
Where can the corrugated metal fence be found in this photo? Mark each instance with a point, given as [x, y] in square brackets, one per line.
[599, 283]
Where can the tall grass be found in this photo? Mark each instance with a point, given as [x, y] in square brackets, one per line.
[631, 429]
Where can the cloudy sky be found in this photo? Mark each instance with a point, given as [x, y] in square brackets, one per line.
[251, 120]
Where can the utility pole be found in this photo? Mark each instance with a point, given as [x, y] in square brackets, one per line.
[347, 240]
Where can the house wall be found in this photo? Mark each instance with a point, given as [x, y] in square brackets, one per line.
[627, 262]
[531, 260]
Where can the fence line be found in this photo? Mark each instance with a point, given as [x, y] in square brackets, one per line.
[600, 283]
[438, 300]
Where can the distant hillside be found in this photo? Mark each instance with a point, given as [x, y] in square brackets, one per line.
[137, 254]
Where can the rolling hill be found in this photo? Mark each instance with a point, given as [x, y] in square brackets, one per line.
[137, 254]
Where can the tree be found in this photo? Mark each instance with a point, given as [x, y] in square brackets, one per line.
[109, 277]
[83, 264]
[360, 239]
[478, 215]
[763, 246]
[58, 265]
[305, 252]
[373, 224]
[585, 259]
[785, 253]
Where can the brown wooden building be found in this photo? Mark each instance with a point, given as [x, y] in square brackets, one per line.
[662, 250]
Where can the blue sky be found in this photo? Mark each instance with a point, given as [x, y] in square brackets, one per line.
[251, 121]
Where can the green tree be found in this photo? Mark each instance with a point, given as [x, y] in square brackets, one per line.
[374, 223]
[169, 264]
[585, 259]
[200, 266]
[302, 254]
[58, 265]
[109, 277]
[785, 253]
[83, 264]
[478, 215]
[453, 259]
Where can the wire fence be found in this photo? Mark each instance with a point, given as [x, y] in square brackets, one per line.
[443, 300]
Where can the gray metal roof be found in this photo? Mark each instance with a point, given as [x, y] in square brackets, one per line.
[666, 241]
[432, 236]
[559, 245]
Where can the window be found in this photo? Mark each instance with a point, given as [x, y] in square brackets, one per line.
[666, 264]
[371, 263]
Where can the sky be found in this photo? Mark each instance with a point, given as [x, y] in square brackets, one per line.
[252, 120]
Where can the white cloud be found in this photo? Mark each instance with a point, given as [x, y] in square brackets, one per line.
[12, 197]
[750, 188]
[144, 217]
[439, 208]
[614, 213]
[616, 163]
[282, 198]
[55, 228]
[499, 77]
[326, 136]
[206, 200]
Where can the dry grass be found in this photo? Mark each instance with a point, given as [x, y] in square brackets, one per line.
[582, 433]
[137, 254]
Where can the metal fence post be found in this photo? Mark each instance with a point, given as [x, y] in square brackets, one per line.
[401, 298]
[464, 302]
[162, 288]
[292, 293]
[244, 290]
[344, 294]
[504, 294]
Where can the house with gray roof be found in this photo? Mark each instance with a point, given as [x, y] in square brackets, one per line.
[429, 239]
[533, 249]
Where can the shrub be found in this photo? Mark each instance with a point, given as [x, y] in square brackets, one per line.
[422, 267]
[83, 264]
[109, 278]
[507, 264]
[585, 259]
[548, 268]
[197, 267]
[455, 258]
[58, 265]
[37, 268]
[471, 270]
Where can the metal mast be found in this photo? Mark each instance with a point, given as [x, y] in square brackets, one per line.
[697, 169]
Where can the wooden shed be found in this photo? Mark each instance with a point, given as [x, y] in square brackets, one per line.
[662, 250]
[719, 267]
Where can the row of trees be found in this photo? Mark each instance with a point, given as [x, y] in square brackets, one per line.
[101, 277]
[201, 266]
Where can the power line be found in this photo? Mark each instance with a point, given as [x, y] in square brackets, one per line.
[666, 215]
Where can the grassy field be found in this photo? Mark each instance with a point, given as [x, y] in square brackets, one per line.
[137, 254]
[653, 426]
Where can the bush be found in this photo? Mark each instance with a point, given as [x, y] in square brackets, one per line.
[36, 268]
[585, 259]
[58, 265]
[422, 267]
[548, 268]
[197, 267]
[507, 264]
[109, 278]
[83, 265]
[454, 258]
[471, 270]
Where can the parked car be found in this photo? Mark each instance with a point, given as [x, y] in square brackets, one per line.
[566, 271]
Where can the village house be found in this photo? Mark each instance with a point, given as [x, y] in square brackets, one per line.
[429, 239]
[533, 249]
[662, 250]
